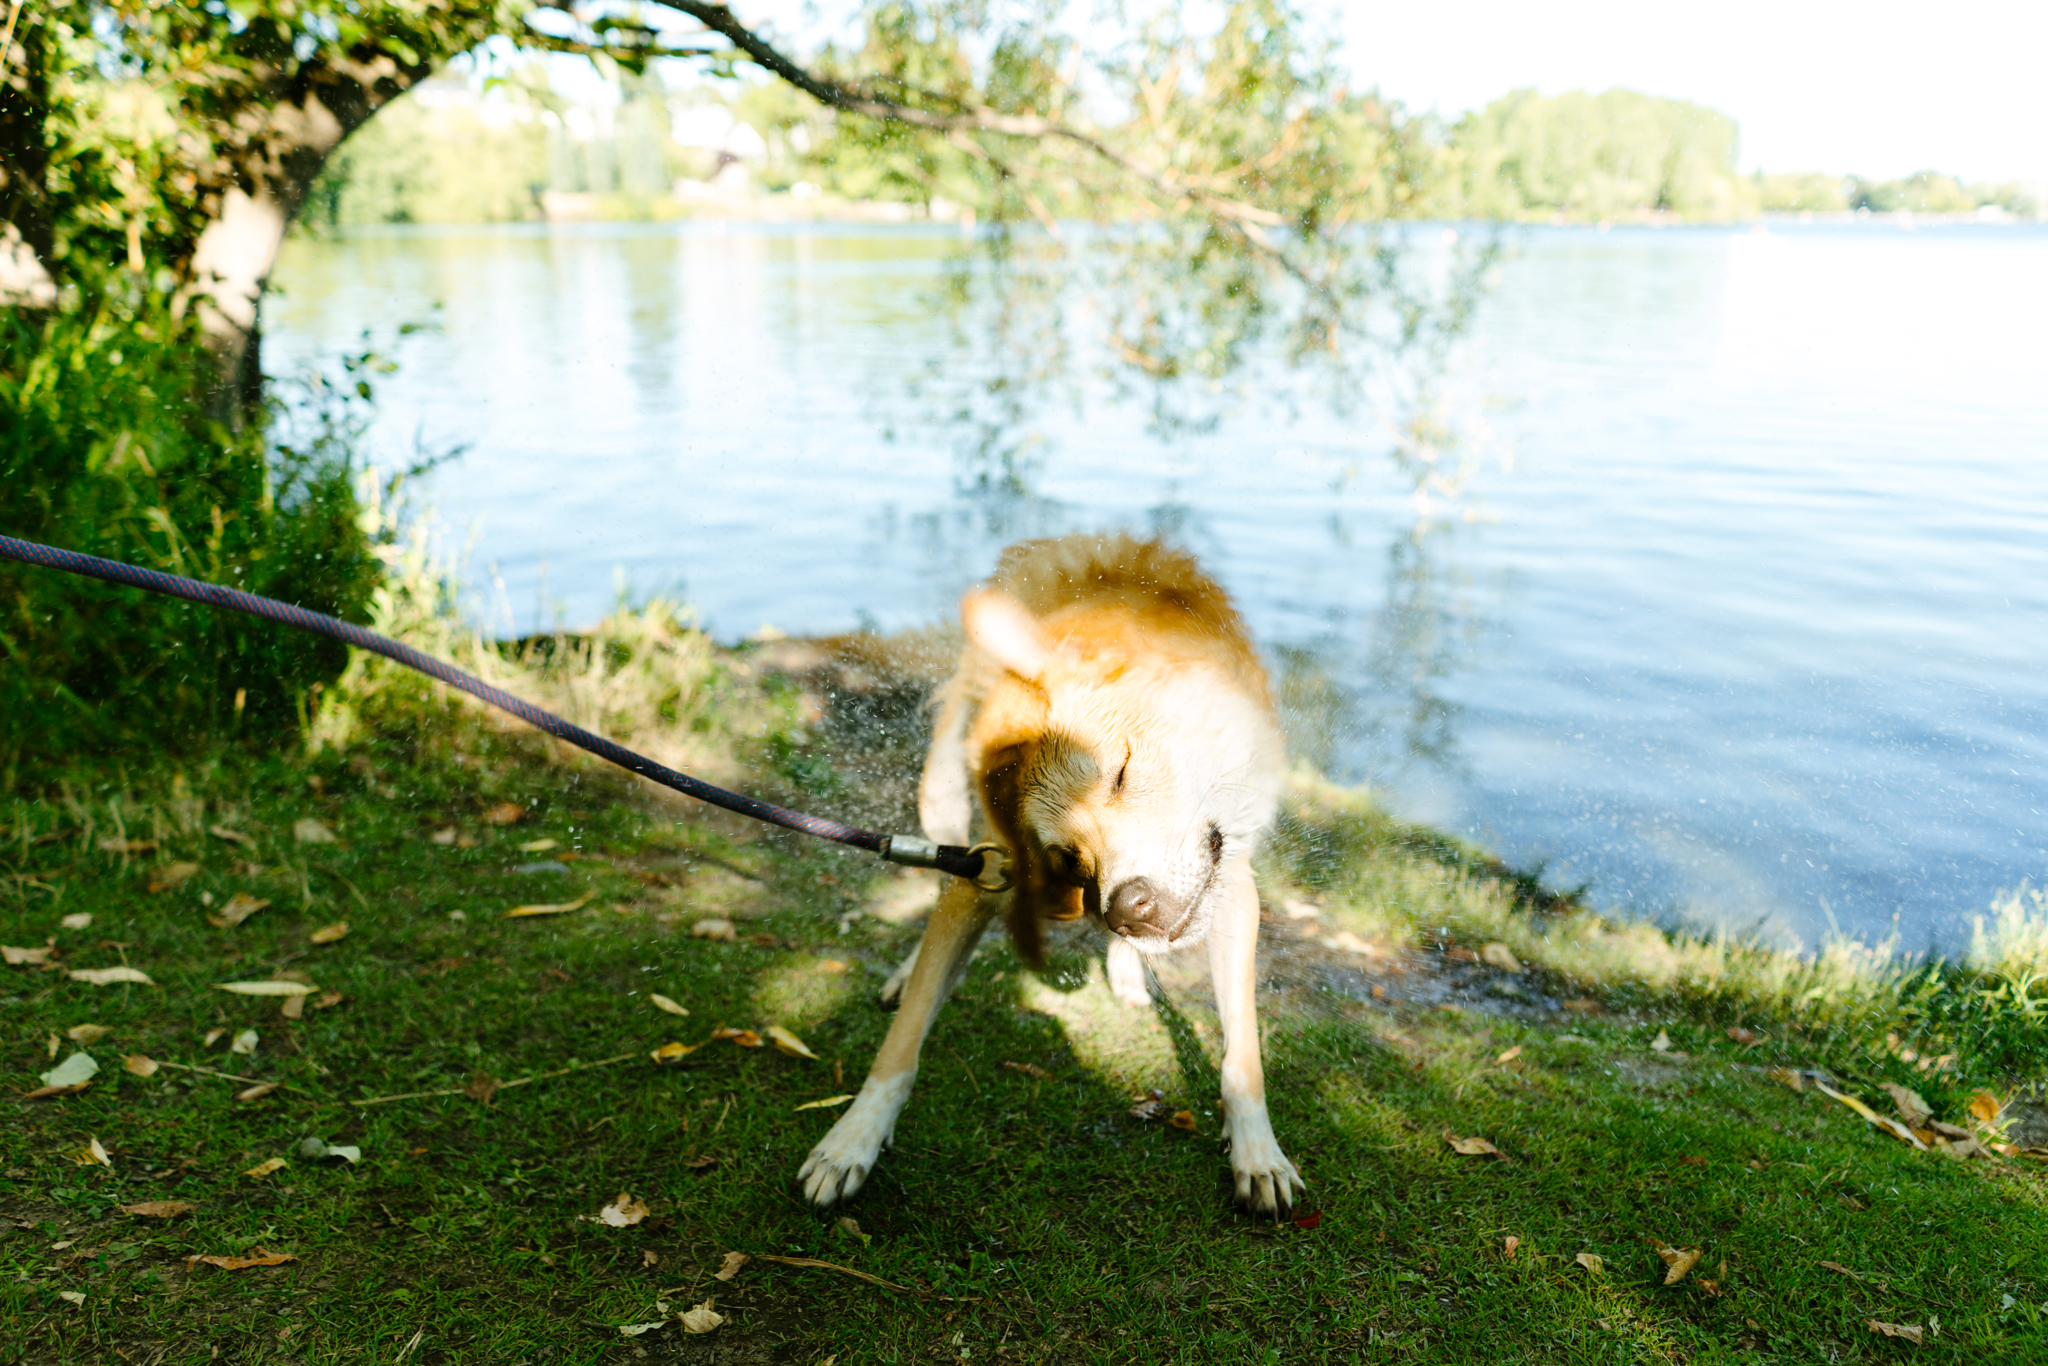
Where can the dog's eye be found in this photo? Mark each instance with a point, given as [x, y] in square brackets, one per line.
[1063, 862]
[1118, 786]
[1215, 845]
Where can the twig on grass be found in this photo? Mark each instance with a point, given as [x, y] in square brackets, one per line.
[506, 1086]
[862, 1275]
[230, 1076]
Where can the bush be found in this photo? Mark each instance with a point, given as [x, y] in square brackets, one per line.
[104, 449]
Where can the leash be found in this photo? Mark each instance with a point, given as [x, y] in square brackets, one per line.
[986, 864]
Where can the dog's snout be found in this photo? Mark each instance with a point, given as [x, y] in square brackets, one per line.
[1137, 910]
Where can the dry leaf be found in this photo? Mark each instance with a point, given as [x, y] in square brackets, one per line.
[88, 1033]
[1471, 1147]
[71, 1296]
[551, 908]
[1983, 1105]
[172, 875]
[25, 957]
[790, 1043]
[266, 988]
[1590, 1262]
[107, 977]
[1500, 956]
[1509, 1245]
[745, 1038]
[231, 836]
[698, 1164]
[481, 1087]
[1745, 1037]
[1853, 1275]
[141, 1064]
[294, 1008]
[1692, 1161]
[1912, 1108]
[831, 965]
[114, 844]
[715, 929]
[159, 1209]
[1584, 1005]
[730, 1266]
[538, 846]
[622, 1212]
[258, 1091]
[310, 831]
[825, 1104]
[443, 837]
[239, 908]
[1510, 1055]
[212, 1036]
[328, 998]
[78, 920]
[1890, 1126]
[256, 1257]
[1911, 1332]
[1030, 1070]
[1150, 1106]
[1787, 1076]
[649, 1257]
[660, 1002]
[73, 1071]
[1678, 1262]
[92, 1155]
[634, 1330]
[1351, 943]
[245, 1042]
[505, 813]
[328, 934]
[263, 1169]
[1662, 1043]
[1183, 1120]
[701, 1319]
[669, 1052]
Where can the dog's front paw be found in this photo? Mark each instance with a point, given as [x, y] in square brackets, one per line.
[1267, 1183]
[839, 1166]
[1125, 968]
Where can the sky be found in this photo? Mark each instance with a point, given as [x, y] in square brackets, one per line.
[1877, 89]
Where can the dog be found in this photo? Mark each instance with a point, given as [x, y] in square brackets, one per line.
[1112, 719]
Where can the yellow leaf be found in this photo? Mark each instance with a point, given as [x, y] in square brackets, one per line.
[114, 844]
[551, 908]
[1983, 1105]
[1500, 956]
[538, 846]
[623, 1212]
[1786, 1076]
[79, 920]
[701, 1319]
[715, 929]
[745, 1038]
[266, 988]
[171, 875]
[159, 1209]
[1678, 1261]
[1510, 1055]
[328, 934]
[1509, 1245]
[661, 1002]
[231, 836]
[106, 977]
[1909, 1332]
[669, 1052]
[141, 1064]
[259, 1171]
[1590, 1262]
[1662, 1043]
[24, 957]
[1912, 1109]
[244, 1042]
[730, 1266]
[505, 813]
[310, 831]
[258, 1091]
[88, 1033]
[825, 1104]
[92, 1155]
[1471, 1147]
[257, 1257]
[240, 907]
[1890, 1126]
[1183, 1119]
[790, 1043]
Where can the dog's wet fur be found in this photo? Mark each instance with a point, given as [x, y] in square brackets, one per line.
[1111, 722]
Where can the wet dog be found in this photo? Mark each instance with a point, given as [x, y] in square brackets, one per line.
[1112, 721]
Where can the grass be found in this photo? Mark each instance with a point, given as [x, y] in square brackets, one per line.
[1028, 1215]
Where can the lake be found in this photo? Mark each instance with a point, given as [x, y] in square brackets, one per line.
[1740, 620]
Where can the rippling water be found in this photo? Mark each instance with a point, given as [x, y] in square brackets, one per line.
[1750, 630]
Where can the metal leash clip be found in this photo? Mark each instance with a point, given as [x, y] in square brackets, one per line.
[990, 861]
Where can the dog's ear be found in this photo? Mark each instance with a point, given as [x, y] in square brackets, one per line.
[1000, 625]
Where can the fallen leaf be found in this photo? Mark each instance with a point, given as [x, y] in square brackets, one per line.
[266, 988]
[505, 813]
[634, 1330]
[443, 837]
[623, 1212]
[1852, 1275]
[1662, 1043]
[1692, 1161]
[669, 1052]
[172, 875]
[245, 1042]
[790, 1043]
[319, 1149]
[1890, 1126]
[212, 1036]
[328, 998]
[1745, 1037]
[1183, 1120]
[328, 934]
[745, 1038]
[1983, 1105]
[1461, 955]
[114, 844]
[78, 920]
[1911, 1107]
[763, 940]
[1910, 1332]
[825, 1104]
[231, 836]
[73, 1071]
[258, 1091]
[551, 908]
[1510, 1244]
[1500, 956]
[1151, 1106]
[71, 1296]
[263, 1169]
[1510, 1055]
[307, 830]
[106, 977]
[831, 965]
[538, 846]
[698, 1164]
[141, 1064]
[257, 1257]
[239, 907]
[1591, 1263]
[92, 1155]
[25, 957]
[1471, 1147]
[660, 1002]
[88, 1033]
[294, 1008]
[481, 1087]
[159, 1209]
[1678, 1262]
[730, 1266]
[649, 1257]
[701, 1319]
[1351, 943]
[1312, 1219]
[1787, 1076]
[715, 929]
[1029, 1069]
[1584, 1005]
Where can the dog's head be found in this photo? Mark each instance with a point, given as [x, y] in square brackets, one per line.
[1124, 780]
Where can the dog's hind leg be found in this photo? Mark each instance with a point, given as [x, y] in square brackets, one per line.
[842, 1160]
[1266, 1181]
[945, 798]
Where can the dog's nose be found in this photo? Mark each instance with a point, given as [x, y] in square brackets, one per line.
[1135, 911]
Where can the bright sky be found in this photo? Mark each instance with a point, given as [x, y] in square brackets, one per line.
[1876, 88]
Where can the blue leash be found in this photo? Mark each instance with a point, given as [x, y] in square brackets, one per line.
[985, 865]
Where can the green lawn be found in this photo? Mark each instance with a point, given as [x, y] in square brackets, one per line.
[1025, 1214]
